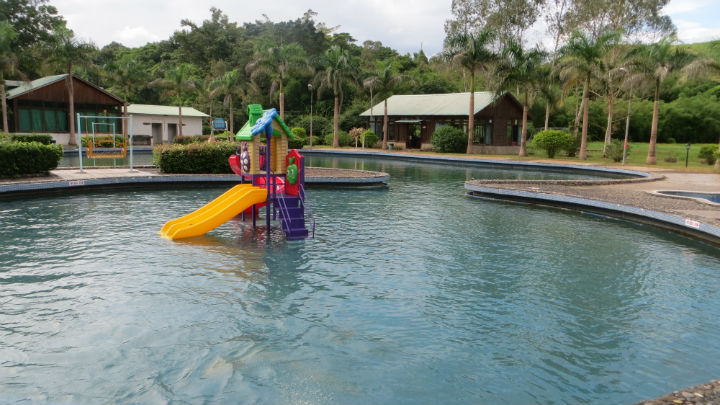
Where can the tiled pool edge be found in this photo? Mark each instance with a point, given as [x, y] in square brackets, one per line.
[685, 226]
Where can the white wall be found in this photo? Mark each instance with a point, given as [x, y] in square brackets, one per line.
[142, 125]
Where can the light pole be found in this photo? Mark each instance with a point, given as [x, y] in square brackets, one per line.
[627, 119]
[310, 88]
[687, 154]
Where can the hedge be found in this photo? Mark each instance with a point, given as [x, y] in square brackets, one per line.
[553, 141]
[44, 139]
[194, 158]
[449, 139]
[23, 158]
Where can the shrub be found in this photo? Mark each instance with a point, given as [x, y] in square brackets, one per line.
[194, 158]
[356, 136]
[21, 158]
[449, 139]
[300, 138]
[344, 139]
[103, 141]
[553, 141]
[44, 139]
[370, 138]
[187, 140]
[615, 150]
[707, 152]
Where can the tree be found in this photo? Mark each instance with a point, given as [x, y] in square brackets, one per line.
[583, 58]
[68, 52]
[8, 65]
[520, 68]
[472, 52]
[126, 73]
[278, 62]
[231, 84]
[178, 84]
[384, 80]
[338, 70]
[654, 63]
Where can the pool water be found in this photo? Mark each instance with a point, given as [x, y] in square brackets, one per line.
[411, 294]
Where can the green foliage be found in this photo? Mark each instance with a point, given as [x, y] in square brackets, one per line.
[300, 138]
[44, 139]
[320, 126]
[344, 139]
[23, 158]
[449, 139]
[615, 150]
[709, 153]
[187, 140]
[553, 141]
[370, 138]
[103, 141]
[194, 158]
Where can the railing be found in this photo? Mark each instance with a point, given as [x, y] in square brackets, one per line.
[284, 213]
[308, 212]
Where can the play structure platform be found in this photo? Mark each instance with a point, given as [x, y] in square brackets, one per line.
[270, 176]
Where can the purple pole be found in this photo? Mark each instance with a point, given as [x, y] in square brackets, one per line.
[268, 135]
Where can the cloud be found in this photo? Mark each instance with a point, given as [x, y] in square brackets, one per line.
[691, 32]
[135, 36]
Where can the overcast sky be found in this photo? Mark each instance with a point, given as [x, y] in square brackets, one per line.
[404, 25]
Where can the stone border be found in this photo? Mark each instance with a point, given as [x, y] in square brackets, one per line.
[561, 167]
[663, 193]
[687, 227]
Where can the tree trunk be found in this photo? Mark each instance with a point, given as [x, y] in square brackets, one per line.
[336, 116]
[282, 102]
[4, 104]
[71, 110]
[578, 112]
[385, 127]
[608, 130]
[651, 159]
[232, 121]
[547, 114]
[586, 109]
[523, 131]
[471, 113]
[179, 120]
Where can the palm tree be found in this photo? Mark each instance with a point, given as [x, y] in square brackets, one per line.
[178, 83]
[471, 51]
[583, 58]
[126, 74]
[520, 69]
[278, 62]
[8, 64]
[68, 52]
[229, 85]
[338, 71]
[384, 80]
[654, 63]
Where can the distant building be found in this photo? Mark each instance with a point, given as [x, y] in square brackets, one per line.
[159, 123]
[412, 119]
[42, 105]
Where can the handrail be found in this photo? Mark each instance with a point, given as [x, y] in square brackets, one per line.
[307, 209]
[284, 213]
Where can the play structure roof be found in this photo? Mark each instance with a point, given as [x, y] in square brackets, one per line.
[255, 113]
[168, 110]
[448, 104]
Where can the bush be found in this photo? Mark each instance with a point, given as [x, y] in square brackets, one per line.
[449, 139]
[370, 138]
[44, 139]
[553, 141]
[187, 140]
[615, 150]
[344, 139]
[103, 141]
[707, 152]
[194, 158]
[321, 126]
[300, 138]
[21, 158]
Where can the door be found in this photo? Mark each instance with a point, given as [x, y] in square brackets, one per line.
[156, 133]
[172, 132]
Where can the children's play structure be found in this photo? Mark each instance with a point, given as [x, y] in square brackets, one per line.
[105, 137]
[270, 177]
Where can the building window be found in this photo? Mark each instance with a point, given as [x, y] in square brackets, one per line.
[482, 133]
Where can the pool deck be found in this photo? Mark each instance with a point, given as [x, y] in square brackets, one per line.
[65, 179]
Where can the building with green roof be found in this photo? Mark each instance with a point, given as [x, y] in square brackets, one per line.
[156, 124]
[413, 119]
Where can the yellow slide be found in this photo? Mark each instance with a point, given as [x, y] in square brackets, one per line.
[215, 213]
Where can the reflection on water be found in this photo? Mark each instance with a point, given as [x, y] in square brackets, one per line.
[409, 294]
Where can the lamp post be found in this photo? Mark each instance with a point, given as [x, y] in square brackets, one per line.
[687, 154]
[310, 88]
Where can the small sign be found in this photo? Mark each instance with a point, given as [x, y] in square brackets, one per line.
[219, 123]
[76, 183]
[692, 224]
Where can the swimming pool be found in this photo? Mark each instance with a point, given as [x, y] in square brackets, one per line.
[413, 294]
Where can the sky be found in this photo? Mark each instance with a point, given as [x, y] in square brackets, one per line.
[404, 25]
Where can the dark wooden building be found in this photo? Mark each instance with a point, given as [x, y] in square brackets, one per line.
[42, 106]
[412, 119]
